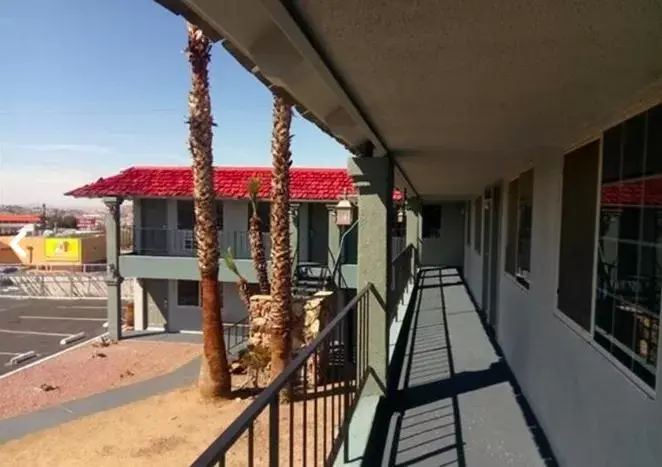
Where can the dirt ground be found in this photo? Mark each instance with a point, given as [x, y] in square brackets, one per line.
[170, 430]
[87, 370]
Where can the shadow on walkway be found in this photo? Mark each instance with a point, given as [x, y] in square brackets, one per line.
[452, 398]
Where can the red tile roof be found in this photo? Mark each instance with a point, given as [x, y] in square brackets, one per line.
[306, 184]
[11, 218]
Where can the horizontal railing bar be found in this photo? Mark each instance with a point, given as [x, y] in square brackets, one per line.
[241, 423]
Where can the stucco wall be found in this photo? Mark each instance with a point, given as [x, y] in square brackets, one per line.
[189, 318]
[591, 411]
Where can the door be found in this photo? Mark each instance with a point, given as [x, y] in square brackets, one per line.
[491, 236]
[431, 245]
[318, 234]
[487, 218]
[495, 241]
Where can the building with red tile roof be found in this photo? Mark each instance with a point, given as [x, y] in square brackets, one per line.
[306, 184]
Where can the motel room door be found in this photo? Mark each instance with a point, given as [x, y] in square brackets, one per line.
[491, 241]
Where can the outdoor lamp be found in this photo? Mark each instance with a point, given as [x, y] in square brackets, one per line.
[344, 212]
[400, 208]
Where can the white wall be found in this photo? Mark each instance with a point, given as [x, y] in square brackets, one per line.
[593, 414]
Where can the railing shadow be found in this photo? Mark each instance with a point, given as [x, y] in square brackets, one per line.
[422, 410]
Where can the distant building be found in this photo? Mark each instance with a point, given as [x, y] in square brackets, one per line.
[90, 221]
[11, 223]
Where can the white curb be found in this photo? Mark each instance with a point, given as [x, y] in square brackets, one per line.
[57, 354]
[20, 358]
[72, 338]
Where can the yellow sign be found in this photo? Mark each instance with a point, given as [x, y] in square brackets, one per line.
[62, 249]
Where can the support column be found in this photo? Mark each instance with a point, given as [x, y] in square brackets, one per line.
[140, 321]
[113, 277]
[334, 236]
[413, 234]
[294, 231]
[373, 178]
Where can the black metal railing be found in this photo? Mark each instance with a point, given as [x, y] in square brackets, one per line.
[181, 242]
[237, 333]
[320, 387]
[402, 270]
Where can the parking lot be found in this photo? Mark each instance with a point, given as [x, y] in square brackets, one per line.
[39, 325]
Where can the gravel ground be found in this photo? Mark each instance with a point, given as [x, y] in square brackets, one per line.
[89, 370]
[168, 430]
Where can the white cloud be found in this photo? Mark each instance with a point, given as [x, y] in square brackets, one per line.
[43, 184]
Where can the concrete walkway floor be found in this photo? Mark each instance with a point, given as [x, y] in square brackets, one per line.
[456, 403]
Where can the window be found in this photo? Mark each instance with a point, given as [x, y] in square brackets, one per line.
[629, 253]
[468, 215]
[186, 214]
[188, 293]
[478, 222]
[576, 254]
[263, 212]
[520, 221]
[431, 216]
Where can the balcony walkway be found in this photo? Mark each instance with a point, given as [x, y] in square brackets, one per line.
[456, 403]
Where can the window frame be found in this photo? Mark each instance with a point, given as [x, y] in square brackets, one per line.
[604, 335]
[513, 228]
[178, 295]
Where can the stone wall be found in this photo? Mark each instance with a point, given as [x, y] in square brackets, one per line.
[309, 316]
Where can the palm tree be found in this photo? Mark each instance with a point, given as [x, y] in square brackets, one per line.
[281, 281]
[214, 380]
[256, 240]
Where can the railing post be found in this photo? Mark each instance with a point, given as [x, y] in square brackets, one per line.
[274, 428]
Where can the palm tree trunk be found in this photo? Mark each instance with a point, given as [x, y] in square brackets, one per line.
[214, 380]
[255, 238]
[258, 254]
[281, 282]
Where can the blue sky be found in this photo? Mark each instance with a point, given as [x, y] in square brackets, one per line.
[95, 86]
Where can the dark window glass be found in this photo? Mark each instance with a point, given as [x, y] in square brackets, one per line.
[611, 155]
[576, 253]
[511, 239]
[633, 147]
[478, 223]
[263, 212]
[185, 214]
[629, 258]
[654, 141]
[188, 293]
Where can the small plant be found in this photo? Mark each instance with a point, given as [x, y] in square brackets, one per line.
[256, 359]
[242, 283]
